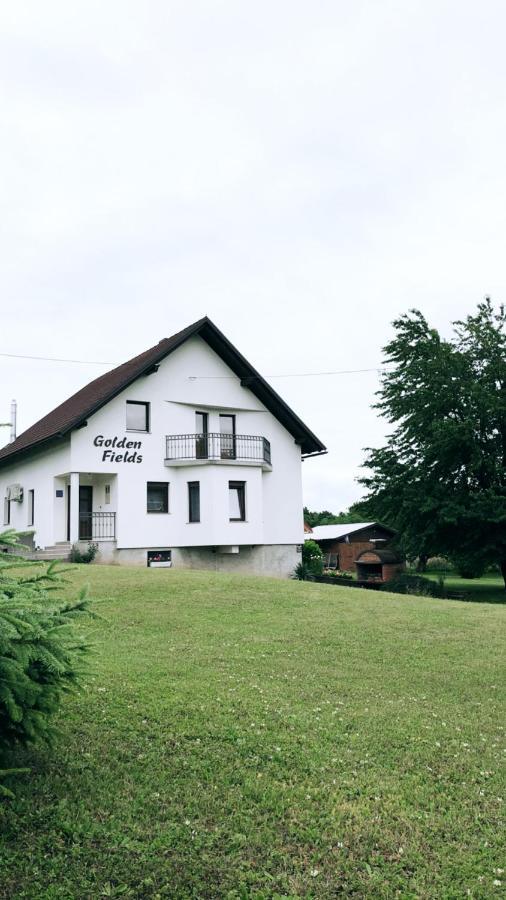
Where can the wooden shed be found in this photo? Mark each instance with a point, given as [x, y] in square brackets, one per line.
[342, 544]
[378, 565]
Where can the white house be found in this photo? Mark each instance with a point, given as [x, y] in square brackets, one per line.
[182, 454]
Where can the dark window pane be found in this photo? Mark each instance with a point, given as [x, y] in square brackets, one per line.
[201, 438]
[194, 501]
[201, 420]
[158, 496]
[137, 416]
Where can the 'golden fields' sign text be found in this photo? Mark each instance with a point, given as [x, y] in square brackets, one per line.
[115, 443]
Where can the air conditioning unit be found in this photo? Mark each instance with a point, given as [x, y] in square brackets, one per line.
[15, 493]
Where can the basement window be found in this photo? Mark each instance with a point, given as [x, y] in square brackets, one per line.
[160, 559]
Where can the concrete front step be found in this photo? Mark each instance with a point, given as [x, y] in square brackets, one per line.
[57, 551]
[40, 556]
[50, 552]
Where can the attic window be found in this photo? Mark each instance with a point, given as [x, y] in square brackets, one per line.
[137, 416]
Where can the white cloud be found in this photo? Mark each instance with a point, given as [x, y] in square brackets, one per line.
[302, 174]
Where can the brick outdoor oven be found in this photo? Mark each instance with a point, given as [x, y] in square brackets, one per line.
[378, 565]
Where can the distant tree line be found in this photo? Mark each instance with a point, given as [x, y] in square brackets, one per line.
[325, 517]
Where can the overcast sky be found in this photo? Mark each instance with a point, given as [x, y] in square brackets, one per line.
[301, 172]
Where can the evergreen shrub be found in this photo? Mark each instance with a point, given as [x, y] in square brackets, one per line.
[41, 653]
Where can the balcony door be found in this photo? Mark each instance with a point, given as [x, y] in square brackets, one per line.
[202, 435]
[227, 437]
[85, 512]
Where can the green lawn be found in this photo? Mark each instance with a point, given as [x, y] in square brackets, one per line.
[488, 589]
[251, 738]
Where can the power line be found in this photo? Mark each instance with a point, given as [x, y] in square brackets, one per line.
[86, 362]
[95, 362]
[285, 375]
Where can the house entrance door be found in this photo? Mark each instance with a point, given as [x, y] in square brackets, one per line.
[85, 512]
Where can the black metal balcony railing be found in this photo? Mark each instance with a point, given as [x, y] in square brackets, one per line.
[97, 526]
[214, 446]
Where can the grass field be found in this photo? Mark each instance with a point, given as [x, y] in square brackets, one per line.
[488, 589]
[250, 738]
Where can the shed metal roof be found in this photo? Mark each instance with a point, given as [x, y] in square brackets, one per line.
[334, 532]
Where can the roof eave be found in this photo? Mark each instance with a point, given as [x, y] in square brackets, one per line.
[13, 458]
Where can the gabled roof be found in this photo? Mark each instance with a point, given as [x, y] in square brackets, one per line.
[74, 412]
[334, 532]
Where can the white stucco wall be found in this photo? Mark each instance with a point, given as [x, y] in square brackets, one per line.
[175, 392]
[38, 474]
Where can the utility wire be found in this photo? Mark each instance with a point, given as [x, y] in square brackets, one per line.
[286, 375]
[95, 362]
[87, 362]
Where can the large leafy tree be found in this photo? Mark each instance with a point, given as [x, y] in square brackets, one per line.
[441, 477]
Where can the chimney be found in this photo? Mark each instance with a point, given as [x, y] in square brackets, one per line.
[14, 408]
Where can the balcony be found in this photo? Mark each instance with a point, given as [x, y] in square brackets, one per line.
[215, 447]
[97, 526]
